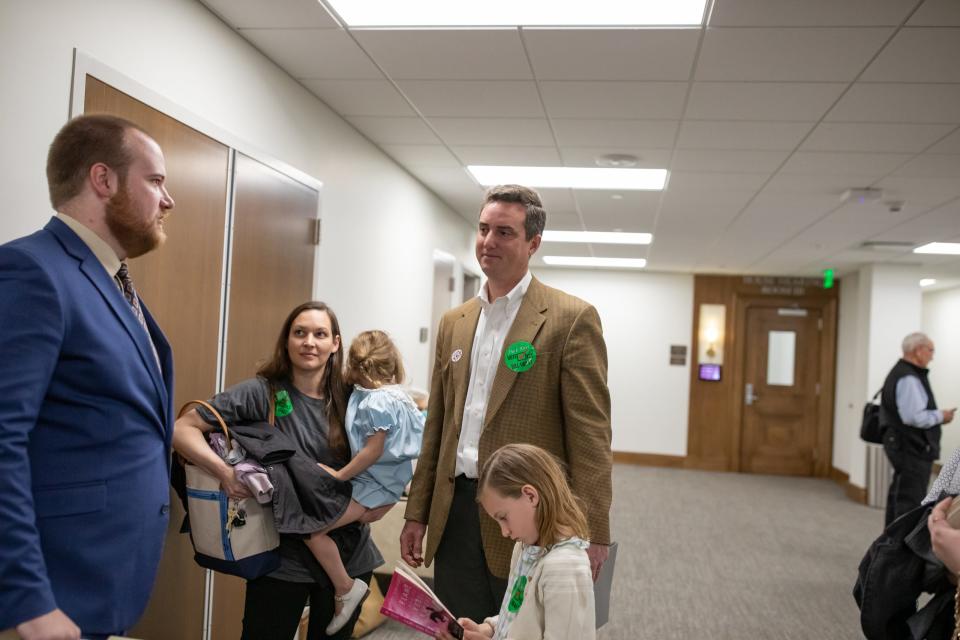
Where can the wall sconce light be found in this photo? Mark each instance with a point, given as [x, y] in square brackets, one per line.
[711, 334]
[710, 341]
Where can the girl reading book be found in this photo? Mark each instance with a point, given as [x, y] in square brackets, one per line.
[550, 588]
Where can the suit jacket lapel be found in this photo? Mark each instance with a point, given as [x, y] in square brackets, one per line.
[94, 271]
[524, 329]
[464, 330]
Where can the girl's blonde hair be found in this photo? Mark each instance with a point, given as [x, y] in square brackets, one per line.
[373, 358]
[512, 466]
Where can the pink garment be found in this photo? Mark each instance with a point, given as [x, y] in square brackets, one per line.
[249, 473]
[256, 479]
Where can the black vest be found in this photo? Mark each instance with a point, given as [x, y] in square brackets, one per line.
[924, 443]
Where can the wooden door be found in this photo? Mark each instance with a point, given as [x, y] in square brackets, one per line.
[181, 284]
[782, 361]
[271, 272]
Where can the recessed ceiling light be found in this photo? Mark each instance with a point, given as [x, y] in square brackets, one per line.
[941, 248]
[585, 261]
[927, 282]
[599, 237]
[572, 177]
[510, 13]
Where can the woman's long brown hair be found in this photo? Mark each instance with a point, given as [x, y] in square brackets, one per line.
[335, 392]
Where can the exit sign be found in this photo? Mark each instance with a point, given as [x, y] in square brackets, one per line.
[828, 278]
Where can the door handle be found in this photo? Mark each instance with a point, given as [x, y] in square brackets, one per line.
[749, 397]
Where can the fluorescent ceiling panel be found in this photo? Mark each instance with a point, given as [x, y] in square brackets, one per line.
[940, 248]
[510, 13]
[572, 177]
[927, 282]
[584, 261]
[599, 237]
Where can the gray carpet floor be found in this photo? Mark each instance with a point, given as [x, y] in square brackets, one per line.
[729, 556]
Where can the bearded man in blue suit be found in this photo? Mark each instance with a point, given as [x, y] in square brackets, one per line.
[86, 391]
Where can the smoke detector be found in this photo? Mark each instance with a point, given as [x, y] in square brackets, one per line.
[617, 160]
[861, 195]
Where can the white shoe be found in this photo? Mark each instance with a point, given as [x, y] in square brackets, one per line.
[351, 600]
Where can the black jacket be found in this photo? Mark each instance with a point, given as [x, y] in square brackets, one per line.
[897, 436]
[896, 569]
[306, 499]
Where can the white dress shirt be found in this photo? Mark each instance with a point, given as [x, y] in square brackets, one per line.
[495, 321]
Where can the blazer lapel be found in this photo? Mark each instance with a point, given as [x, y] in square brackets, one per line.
[524, 329]
[94, 271]
[464, 330]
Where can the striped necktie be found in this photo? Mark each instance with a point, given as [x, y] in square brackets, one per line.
[130, 293]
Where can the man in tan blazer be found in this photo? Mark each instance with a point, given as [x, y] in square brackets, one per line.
[485, 393]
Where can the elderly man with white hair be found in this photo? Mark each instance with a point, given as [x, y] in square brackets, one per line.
[911, 424]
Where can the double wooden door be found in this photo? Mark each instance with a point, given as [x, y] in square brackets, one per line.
[267, 235]
[781, 390]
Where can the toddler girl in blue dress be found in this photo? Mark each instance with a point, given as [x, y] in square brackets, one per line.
[385, 430]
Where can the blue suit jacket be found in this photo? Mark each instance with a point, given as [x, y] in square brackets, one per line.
[85, 426]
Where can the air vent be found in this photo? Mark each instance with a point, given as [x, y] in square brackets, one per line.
[887, 245]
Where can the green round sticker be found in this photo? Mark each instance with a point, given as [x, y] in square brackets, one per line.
[520, 356]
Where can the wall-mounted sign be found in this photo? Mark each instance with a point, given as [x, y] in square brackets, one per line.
[678, 354]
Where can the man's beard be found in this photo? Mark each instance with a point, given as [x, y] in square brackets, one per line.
[135, 234]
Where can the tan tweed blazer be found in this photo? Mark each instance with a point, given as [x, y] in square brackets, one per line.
[561, 404]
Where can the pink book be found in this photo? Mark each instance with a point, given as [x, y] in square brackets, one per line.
[410, 601]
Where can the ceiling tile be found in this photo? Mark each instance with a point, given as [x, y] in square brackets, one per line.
[869, 166]
[918, 55]
[704, 211]
[809, 13]
[651, 134]
[648, 100]
[797, 101]
[587, 156]
[916, 191]
[620, 250]
[294, 14]
[950, 144]
[874, 137]
[598, 205]
[727, 160]
[941, 224]
[771, 213]
[394, 130]
[686, 181]
[474, 98]
[558, 201]
[886, 102]
[531, 132]
[936, 13]
[314, 53]
[563, 221]
[931, 166]
[421, 155]
[438, 54]
[360, 97]
[772, 136]
[813, 54]
[509, 155]
[611, 54]
[824, 184]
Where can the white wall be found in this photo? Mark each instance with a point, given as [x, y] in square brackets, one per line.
[848, 401]
[882, 306]
[380, 225]
[941, 313]
[642, 315]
